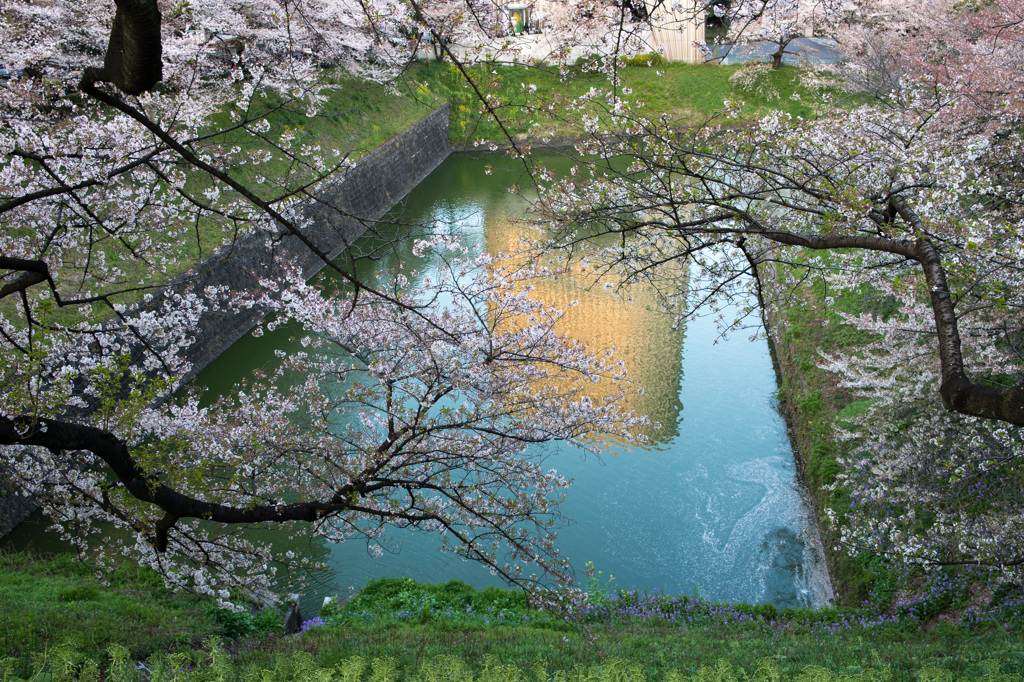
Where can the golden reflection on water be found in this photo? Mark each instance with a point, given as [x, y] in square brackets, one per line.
[608, 314]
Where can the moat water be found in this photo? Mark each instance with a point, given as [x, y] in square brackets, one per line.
[712, 506]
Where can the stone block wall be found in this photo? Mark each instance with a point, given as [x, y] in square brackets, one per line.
[14, 507]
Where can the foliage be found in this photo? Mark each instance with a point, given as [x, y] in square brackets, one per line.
[864, 578]
[529, 100]
[652, 59]
[212, 664]
[671, 657]
[247, 621]
[418, 395]
[803, 327]
[967, 469]
[210, 667]
[454, 602]
[601, 592]
[230, 145]
[641, 634]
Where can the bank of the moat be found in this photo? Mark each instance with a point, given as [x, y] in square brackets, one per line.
[810, 402]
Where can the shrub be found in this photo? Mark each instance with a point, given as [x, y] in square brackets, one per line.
[755, 78]
[650, 59]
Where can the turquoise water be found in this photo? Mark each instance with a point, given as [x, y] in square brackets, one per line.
[713, 507]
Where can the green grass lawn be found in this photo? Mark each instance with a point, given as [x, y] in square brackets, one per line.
[44, 602]
[685, 93]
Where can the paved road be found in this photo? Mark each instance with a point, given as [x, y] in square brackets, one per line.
[800, 52]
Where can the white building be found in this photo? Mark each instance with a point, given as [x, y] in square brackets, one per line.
[678, 30]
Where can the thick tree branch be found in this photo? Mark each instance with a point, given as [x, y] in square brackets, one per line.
[35, 272]
[133, 62]
[958, 392]
[58, 435]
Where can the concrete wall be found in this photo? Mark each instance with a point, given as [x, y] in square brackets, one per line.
[678, 33]
[377, 182]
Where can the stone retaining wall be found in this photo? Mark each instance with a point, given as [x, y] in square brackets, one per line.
[14, 507]
[378, 181]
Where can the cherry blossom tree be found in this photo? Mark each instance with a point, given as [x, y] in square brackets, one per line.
[417, 396]
[784, 185]
[931, 486]
[914, 199]
[975, 54]
[395, 416]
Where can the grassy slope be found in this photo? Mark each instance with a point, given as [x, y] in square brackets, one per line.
[357, 117]
[44, 602]
[814, 403]
[655, 635]
[659, 651]
[437, 628]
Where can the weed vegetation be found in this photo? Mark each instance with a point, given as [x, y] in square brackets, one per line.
[46, 601]
[814, 404]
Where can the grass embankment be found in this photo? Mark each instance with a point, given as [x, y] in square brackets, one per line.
[357, 117]
[814, 403]
[44, 602]
[55, 618]
[686, 94]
